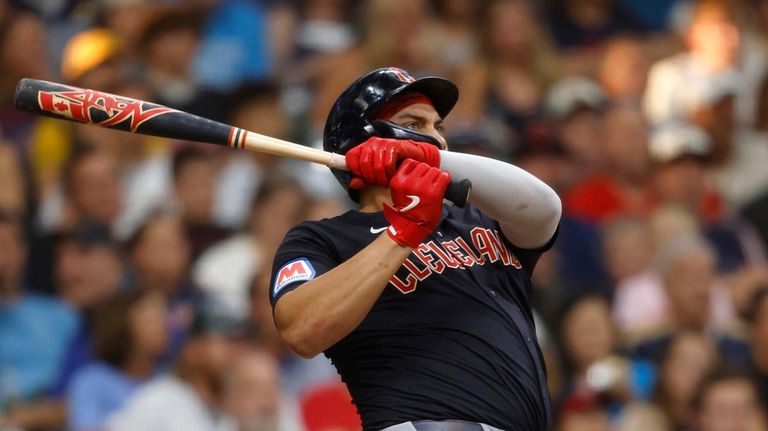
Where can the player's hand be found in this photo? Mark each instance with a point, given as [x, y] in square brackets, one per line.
[375, 161]
[417, 191]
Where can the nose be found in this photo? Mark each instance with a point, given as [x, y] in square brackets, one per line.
[437, 135]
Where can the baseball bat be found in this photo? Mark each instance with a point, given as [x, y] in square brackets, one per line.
[137, 116]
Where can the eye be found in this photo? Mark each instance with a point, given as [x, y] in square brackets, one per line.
[411, 126]
[440, 128]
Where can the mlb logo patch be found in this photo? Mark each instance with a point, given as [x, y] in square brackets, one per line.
[295, 270]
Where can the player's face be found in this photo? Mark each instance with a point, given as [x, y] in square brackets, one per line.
[422, 118]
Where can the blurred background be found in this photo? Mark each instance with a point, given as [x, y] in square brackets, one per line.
[134, 270]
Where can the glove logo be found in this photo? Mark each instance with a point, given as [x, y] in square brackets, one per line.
[415, 201]
[293, 271]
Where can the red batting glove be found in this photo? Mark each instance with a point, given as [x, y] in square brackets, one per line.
[417, 191]
[375, 161]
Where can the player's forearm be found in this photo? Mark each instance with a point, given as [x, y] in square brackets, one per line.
[321, 312]
[527, 209]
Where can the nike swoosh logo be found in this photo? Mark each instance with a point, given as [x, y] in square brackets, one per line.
[379, 230]
[415, 200]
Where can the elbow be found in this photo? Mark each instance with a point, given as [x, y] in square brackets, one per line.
[300, 341]
[304, 350]
[556, 208]
[301, 346]
[551, 211]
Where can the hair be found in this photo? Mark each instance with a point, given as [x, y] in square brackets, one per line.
[81, 152]
[187, 155]
[133, 241]
[567, 306]
[752, 310]
[544, 61]
[274, 183]
[171, 20]
[254, 92]
[112, 333]
[718, 376]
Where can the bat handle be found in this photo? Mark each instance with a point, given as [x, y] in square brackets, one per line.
[457, 191]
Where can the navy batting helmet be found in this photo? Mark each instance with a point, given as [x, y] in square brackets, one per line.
[351, 120]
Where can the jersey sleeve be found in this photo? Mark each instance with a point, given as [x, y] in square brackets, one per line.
[527, 257]
[303, 255]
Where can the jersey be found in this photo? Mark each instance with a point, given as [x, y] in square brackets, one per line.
[452, 335]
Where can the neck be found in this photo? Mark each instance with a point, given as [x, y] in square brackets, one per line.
[139, 365]
[372, 199]
[8, 293]
[760, 356]
[588, 15]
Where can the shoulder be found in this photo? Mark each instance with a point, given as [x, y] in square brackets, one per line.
[321, 231]
[670, 66]
[57, 312]
[92, 377]
[162, 392]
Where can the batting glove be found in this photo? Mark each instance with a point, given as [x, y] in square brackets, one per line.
[417, 191]
[375, 161]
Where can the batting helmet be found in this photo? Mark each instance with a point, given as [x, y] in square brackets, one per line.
[351, 120]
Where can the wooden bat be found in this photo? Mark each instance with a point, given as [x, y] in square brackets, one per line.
[137, 116]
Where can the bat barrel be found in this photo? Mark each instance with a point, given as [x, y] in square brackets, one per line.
[118, 112]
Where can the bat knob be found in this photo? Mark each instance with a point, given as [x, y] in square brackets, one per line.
[458, 192]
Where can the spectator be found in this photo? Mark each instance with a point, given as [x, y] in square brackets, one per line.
[395, 34]
[687, 358]
[89, 269]
[227, 268]
[251, 394]
[127, 19]
[508, 82]
[696, 302]
[680, 84]
[575, 107]
[168, 44]
[22, 54]
[584, 24]
[457, 28]
[727, 400]
[92, 191]
[624, 70]
[621, 187]
[159, 255]
[194, 185]
[189, 398]
[130, 336]
[680, 151]
[640, 302]
[592, 355]
[257, 106]
[35, 331]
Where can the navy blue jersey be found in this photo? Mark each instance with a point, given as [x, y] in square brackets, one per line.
[450, 337]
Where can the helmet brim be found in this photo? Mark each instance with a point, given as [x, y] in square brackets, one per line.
[441, 92]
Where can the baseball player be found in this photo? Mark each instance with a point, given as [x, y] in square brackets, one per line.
[423, 307]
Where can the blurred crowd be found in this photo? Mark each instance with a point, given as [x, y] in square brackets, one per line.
[134, 270]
